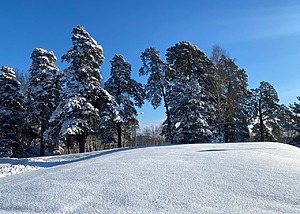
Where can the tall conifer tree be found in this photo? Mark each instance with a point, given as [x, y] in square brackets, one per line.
[188, 93]
[158, 83]
[292, 122]
[83, 100]
[43, 90]
[264, 109]
[127, 93]
[12, 115]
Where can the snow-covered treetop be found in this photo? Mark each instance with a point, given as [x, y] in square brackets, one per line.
[153, 63]
[42, 59]
[85, 54]
[121, 83]
[159, 72]
[79, 33]
[119, 67]
[187, 59]
[8, 72]
[267, 87]
[151, 59]
[10, 95]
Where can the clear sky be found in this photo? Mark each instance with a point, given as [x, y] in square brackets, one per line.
[263, 35]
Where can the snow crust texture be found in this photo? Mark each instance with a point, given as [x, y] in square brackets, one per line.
[196, 178]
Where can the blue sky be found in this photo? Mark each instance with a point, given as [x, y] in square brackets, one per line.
[263, 36]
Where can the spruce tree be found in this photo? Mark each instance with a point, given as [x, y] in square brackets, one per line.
[188, 93]
[127, 93]
[83, 100]
[43, 90]
[188, 113]
[12, 115]
[158, 83]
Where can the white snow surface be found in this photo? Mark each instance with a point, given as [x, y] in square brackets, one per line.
[196, 178]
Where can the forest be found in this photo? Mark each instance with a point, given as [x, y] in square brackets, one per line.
[206, 99]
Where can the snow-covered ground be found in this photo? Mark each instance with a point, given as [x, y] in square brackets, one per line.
[197, 178]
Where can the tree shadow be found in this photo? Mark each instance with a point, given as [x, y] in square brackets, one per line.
[59, 160]
[52, 161]
[226, 150]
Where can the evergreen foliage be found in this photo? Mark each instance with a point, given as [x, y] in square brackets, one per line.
[156, 88]
[205, 100]
[12, 115]
[188, 113]
[264, 109]
[294, 125]
[127, 93]
[190, 107]
[82, 97]
[43, 91]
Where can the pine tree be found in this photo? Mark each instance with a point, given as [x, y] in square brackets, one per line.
[127, 93]
[43, 90]
[285, 132]
[83, 100]
[12, 115]
[264, 110]
[157, 84]
[188, 112]
[294, 125]
[188, 93]
[229, 93]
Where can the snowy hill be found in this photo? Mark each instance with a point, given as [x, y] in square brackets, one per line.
[197, 178]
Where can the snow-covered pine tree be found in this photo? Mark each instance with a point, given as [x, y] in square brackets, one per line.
[229, 93]
[83, 100]
[286, 124]
[12, 115]
[43, 90]
[294, 125]
[157, 84]
[190, 107]
[127, 93]
[264, 107]
[188, 112]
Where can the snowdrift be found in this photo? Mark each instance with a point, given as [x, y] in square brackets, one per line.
[197, 178]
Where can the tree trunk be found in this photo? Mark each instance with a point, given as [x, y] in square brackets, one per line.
[42, 143]
[119, 127]
[168, 116]
[68, 144]
[226, 134]
[81, 141]
[261, 123]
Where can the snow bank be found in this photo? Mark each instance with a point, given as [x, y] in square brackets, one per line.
[198, 178]
[8, 169]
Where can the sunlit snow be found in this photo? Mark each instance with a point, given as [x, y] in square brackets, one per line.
[196, 178]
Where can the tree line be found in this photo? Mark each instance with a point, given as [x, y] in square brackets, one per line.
[206, 99]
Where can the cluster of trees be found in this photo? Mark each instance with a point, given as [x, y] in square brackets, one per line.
[206, 99]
